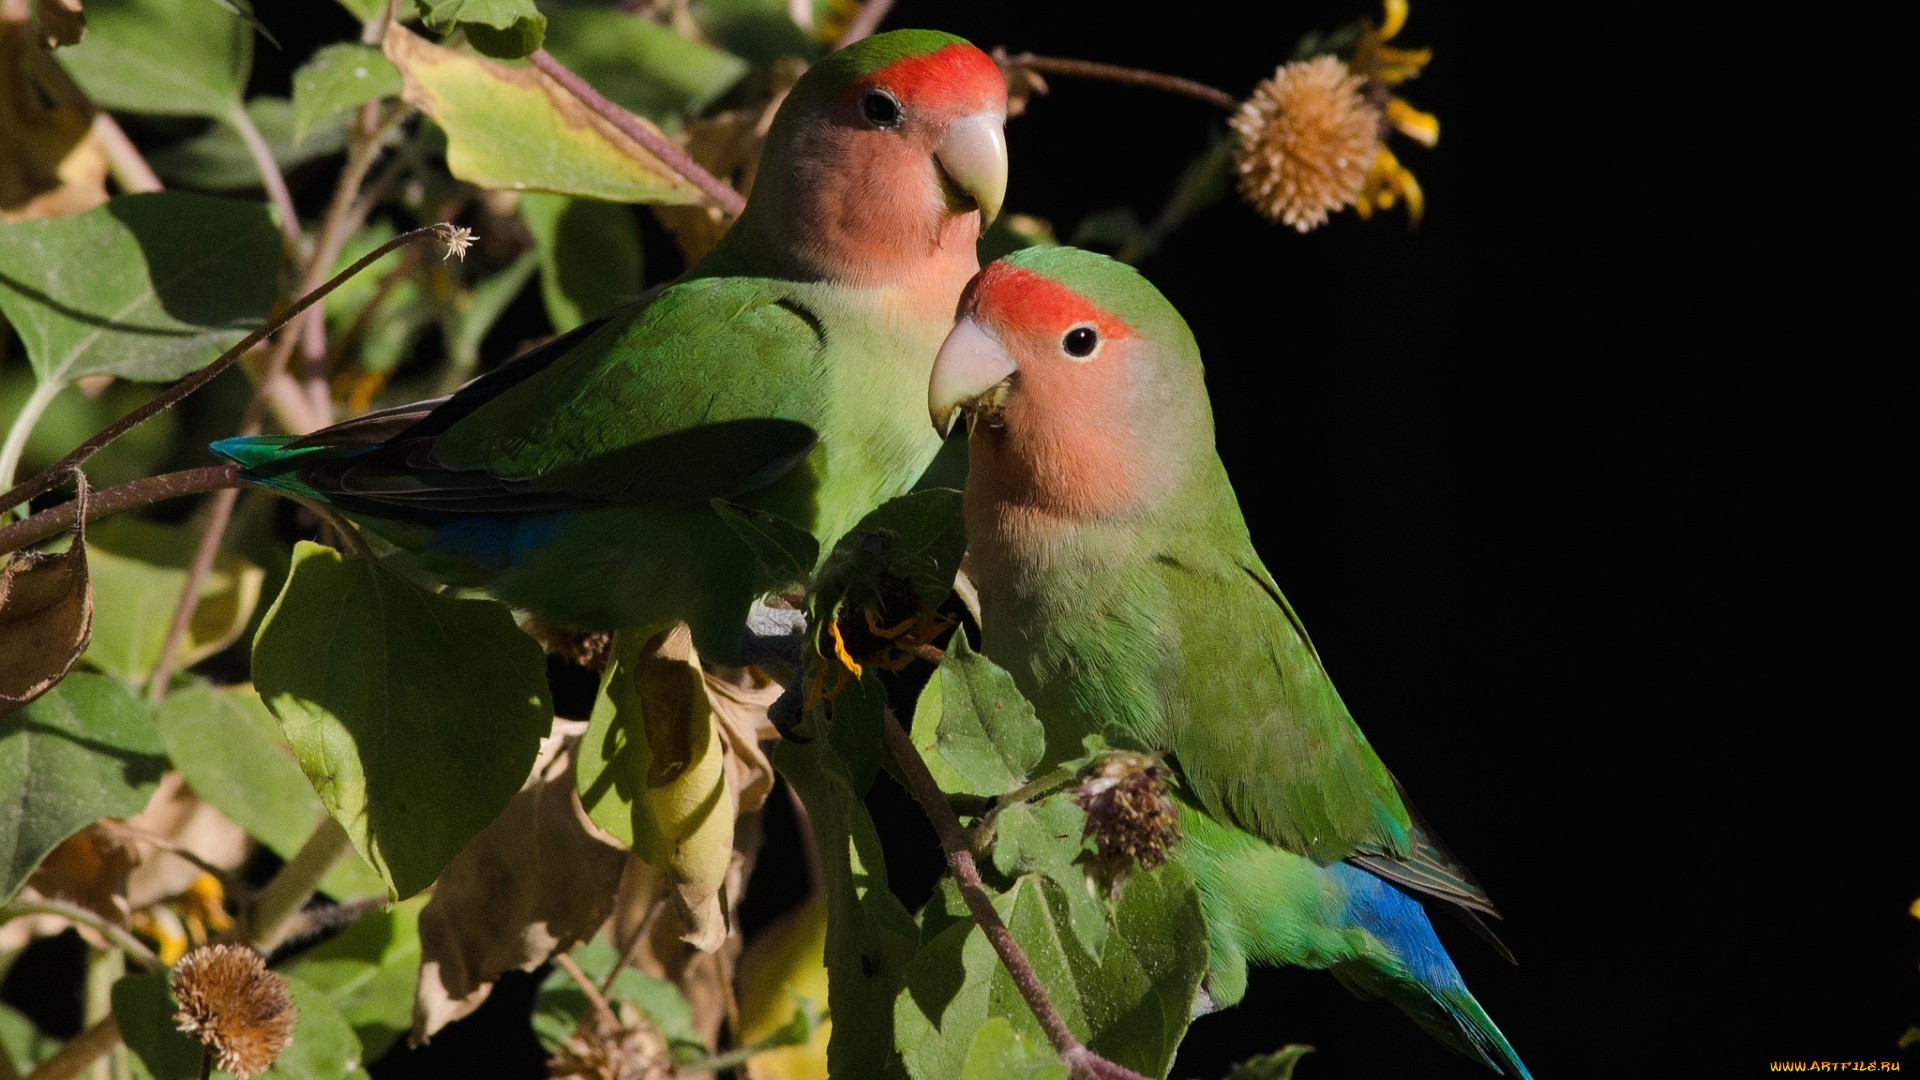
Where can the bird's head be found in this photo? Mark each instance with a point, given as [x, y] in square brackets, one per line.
[890, 150]
[1083, 384]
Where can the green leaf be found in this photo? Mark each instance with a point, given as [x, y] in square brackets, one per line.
[870, 936]
[504, 29]
[590, 259]
[405, 312]
[22, 1042]
[485, 304]
[139, 568]
[999, 1053]
[641, 65]
[171, 57]
[416, 717]
[219, 160]
[1131, 1005]
[787, 553]
[369, 971]
[762, 31]
[1275, 1066]
[73, 418]
[517, 129]
[324, 1046]
[340, 78]
[85, 750]
[245, 11]
[560, 1003]
[147, 287]
[1046, 838]
[231, 750]
[980, 728]
[364, 10]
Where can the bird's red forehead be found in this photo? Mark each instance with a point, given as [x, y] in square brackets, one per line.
[957, 76]
[1017, 299]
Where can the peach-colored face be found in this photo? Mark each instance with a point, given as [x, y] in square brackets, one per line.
[877, 183]
[1064, 442]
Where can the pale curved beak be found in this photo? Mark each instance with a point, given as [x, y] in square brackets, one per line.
[970, 364]
[974, 156]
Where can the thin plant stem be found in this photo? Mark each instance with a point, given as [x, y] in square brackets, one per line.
[23, 424]
[866, 22]
[206, 1063]
[593, 993]
[270, 177]
[79, 1052]
[219, 512]
[715, 189]
[290, 889]
[129, 169]
[1088, 69]
[1080, 1061]
[52, 476]
[120, 937]
[113, 500]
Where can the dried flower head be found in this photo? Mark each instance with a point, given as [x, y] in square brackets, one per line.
[457, 238]
[1129, 815]
[602, 1048]
[1307, 141]
[234, 1005]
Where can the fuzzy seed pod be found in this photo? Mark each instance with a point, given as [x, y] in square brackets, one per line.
[235, 1006]
[1307, 140]
[601, 1049]
[1129, 816]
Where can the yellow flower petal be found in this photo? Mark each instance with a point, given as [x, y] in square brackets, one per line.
[1421, 127]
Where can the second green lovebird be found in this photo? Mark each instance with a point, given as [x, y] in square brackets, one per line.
[1119, 586]
[784, 371]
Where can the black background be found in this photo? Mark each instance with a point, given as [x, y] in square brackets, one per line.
[1583, 512]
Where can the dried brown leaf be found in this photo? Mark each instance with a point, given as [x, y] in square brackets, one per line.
[728, 145]
[740, 698]
[46, 614]
[61, 21]
[537, 881]
[89, 869]
[175, 816]
[50, 165]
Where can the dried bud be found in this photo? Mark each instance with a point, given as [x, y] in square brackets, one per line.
[1023, 83]
[586, 648]
[1129, 816]
[457, 239]
[234, 1005]
[603, 1049]
[1307, 140]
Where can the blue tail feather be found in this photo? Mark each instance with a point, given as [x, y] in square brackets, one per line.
[1428, 987]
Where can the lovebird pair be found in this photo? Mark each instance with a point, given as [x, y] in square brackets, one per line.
[788, 371]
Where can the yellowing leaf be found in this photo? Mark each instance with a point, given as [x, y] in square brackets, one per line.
[50, 165]
[652, 770]
[515, 128]
[787, 960]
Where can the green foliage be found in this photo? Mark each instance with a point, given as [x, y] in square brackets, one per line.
[979, 736]
[589, 256]
[415, 716]
[787, 553]
[1278, 1065]
[336, 80]
[998, 1052]
[22, 1042]
[506, 29]
[173, 57]
[639, 64]
[138, 569]
[219, 160]
[231, 750]
[85, 750]
[368, 973]
[560, 1004]
[147, 287]
[324, 1046]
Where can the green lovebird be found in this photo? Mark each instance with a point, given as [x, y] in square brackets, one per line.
[1118, 585]
[785, 371]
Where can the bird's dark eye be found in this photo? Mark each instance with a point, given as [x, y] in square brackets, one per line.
[1080, 341]
[881, 109]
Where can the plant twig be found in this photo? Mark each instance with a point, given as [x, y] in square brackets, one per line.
[593, 993]
[119, 936]
[1088, 69]
[79, 1052]
[219, 511]
[54, 474]
[270, 177]
[113, 500]
[1080, 1061]
[290, 889]
[866, 22]
[129, 169]
[715, 189]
